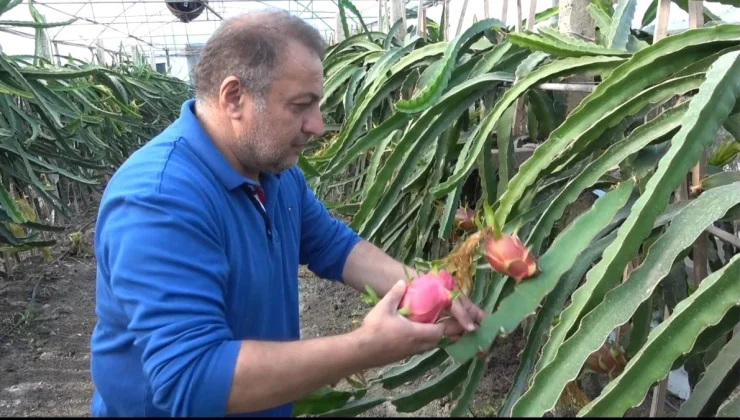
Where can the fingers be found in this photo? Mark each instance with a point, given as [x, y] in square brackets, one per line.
[391, 299]
[452, 327]
[460, 313]
[428, 333]
[476, 313]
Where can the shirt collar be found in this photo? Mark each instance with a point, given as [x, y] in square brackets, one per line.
[193, 132]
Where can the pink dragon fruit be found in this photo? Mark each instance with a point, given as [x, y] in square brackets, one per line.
[428, 296]
[507, 255]
[443, 277]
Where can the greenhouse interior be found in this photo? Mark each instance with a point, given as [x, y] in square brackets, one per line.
[564, 174]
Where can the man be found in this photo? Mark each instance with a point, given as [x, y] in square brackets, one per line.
[200, 235]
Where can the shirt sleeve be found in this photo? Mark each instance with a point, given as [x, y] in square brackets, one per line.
[166, 266]
[325, 241]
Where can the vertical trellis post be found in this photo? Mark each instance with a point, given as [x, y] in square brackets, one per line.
[657, 406]
[462, 16]
[380, 15]
[700, 257]
[532, 15]
[505, 11]
[398, 12]
[56, 53]
[421, 20]
[446, 29]
[520, 116]
[338, 30]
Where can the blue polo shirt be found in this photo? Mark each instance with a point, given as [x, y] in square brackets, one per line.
[186, 269]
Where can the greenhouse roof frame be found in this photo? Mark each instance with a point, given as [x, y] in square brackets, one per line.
[152, 28]
[150, 24]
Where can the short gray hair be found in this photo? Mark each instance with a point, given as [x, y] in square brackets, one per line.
[251, 48]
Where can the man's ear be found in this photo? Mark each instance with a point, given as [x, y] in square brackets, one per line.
[230, 98]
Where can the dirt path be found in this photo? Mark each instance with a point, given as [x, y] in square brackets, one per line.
[330, 308]
[44, 347]
[44, 350]
[45, 354]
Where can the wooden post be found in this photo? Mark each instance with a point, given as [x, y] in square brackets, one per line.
[446, 29]
[520, 115]
[485, 9]
[421, 20]
[657, 407]
[574, 18]
[381, 3]
[532, 15]
[338, 30]
[100, 50]
[56, 53]
[398, 11]
[519, 13]
[700, 257]
[462, 16]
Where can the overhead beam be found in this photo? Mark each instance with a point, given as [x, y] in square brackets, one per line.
[62, 3]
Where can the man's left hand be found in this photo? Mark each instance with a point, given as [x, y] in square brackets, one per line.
[466, 316]
[368, 265]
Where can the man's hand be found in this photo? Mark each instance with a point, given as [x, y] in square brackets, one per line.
[391, 336]
[369, 265]
[466, 316]
[385, 337]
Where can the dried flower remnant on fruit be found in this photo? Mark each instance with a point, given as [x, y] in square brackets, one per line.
[507, 255]
[460, 262]
[571, 401]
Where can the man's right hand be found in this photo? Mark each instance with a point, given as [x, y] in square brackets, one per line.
[384, 338]
[390, 336]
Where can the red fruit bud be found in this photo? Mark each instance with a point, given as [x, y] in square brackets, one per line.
[464, 219]
[608, 360]
[426, 298]
[508, 256]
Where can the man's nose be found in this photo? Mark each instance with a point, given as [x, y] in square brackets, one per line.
[314, 123]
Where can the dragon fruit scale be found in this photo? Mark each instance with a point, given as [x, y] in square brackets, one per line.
[427, 297]
[507, 255]
[441, 276]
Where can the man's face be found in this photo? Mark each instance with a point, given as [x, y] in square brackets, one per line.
[275, 131]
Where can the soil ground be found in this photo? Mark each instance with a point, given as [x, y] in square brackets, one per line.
[44, 341]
